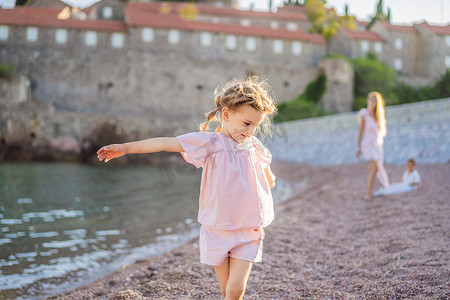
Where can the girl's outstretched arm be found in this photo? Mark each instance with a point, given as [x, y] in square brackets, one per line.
[169, 144]
[270, 177]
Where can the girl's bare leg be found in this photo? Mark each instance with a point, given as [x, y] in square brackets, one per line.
[222, 273]
[371, 178]
[237, 280]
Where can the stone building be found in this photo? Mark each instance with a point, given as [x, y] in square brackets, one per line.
[136, 70]
[435, 49]
[106, 9]
[151, 74]
[403, 47]
[420, 54]
[356, 43]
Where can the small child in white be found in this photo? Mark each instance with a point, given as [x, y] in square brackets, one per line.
[410, 181]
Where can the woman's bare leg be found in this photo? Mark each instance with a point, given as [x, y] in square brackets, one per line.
[371, 178]
[222, 273]
[237, 280]
[382, 174]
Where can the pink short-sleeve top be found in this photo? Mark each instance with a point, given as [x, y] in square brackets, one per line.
[371, 128]
[234, 191]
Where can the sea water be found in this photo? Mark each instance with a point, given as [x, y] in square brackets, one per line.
[65, 225]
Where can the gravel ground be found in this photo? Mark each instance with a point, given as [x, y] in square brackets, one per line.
[326, 243]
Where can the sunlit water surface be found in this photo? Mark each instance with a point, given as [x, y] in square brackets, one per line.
[64, 225]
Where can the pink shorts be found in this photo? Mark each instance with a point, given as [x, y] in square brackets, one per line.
[216, 245]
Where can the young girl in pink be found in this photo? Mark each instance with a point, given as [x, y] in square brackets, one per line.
[372, 130]
[235, 195]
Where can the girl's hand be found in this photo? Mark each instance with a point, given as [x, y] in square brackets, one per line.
[111, 151]
[272, 182]
[270, 177]
[358, 153]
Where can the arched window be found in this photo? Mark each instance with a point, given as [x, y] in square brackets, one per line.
[117, 40]
[277, 46]
[147, 35]
[230, 42]
[250, 44]
[107, 12]
[61, 36]
[4, 33]
[90, 38]
[296, 48]
[205, 39]
[174, 37]
[32, 34]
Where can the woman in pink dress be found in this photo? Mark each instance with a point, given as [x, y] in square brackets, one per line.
[372, 130]
[235, 194]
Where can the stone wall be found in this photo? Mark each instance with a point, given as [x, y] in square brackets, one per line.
[419, 130]
[14, 91]
[136, 77]
[85, 96]
[39, 131]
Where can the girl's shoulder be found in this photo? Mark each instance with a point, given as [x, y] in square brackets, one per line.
[257, 142]
[363, 112]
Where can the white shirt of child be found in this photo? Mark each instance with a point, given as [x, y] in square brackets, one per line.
[409, 179]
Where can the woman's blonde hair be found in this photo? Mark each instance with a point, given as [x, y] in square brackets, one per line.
[379, 112]
[236, 93]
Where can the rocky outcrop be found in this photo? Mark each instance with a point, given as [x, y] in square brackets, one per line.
[338, 97]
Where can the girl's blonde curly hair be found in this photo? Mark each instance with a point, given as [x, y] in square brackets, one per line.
[236, 93]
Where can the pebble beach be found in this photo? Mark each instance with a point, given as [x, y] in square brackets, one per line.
[326, 243]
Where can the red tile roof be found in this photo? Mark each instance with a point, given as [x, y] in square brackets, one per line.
[136, 16]
[292, 9]
[46, 17]
[362, 35]
[219, 11]
[444, 30]
[143, 15]
[403, 28]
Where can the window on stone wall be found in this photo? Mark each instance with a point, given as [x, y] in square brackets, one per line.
[61, 36]
[296, 48]
[230, 42]
[398, 64]
[378, 47]
[291, 26]
[32, 34]
[274, 25]
[117, 40]
[246, 22]
[147, 35]
[173, 37]
[398, 43]
[90, 38]
[447, 62]
[205, 39]
[4, 32]
[364, 46]
[107, 12]
[250, 44]
[277, 46]
[447, 40]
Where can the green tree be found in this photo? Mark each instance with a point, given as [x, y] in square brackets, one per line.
[380, 15]
[21, 2]
[373, 75]
[306, 104]
[325, 21]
